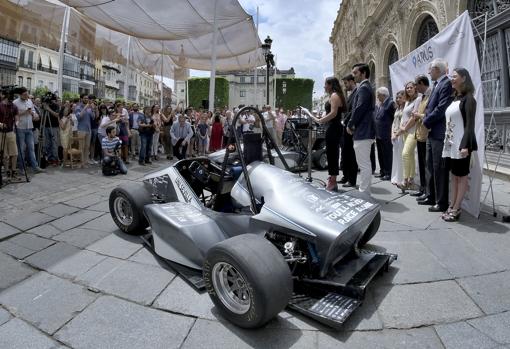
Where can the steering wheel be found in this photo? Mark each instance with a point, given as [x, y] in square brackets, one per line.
[199, 172]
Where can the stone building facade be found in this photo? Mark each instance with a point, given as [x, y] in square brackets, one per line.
[380, 32]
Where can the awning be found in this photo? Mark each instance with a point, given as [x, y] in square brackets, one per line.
[45, 59]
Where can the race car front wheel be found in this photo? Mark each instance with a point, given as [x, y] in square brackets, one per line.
[126, 207]
[247, 279]
[320, 159]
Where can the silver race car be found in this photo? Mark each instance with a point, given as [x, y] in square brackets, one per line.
[257, 237]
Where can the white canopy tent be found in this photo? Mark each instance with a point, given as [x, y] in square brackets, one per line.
[211, 35]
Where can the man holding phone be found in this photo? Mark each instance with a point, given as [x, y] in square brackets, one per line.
[25, 135]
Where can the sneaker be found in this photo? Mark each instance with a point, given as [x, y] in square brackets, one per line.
[39, 170]
[141, 163]
[90, 162]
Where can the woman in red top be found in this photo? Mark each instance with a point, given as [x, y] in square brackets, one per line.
[216, 134]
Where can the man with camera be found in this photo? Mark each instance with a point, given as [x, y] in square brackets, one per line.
[50, 127]
[112, 164]
[146, 131]
[25, 135]
[8, 148]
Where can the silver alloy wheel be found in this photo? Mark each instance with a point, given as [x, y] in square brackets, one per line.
[323, 160]
[231, 288]
[123, 210]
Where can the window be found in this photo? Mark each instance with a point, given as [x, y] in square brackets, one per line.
[22, 57]
[31, 59]
[392, 58]
[242, 93]
[40, 83]
[20, 81]
[261, 79]
[50, 86]
[284, 76]
[29, 83]
[427, 30]
[243, 79]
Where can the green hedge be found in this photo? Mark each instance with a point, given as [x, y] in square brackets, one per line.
[297, 92]
[198, 89]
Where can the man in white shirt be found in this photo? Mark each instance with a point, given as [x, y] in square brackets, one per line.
[269, 118]
[26, 116]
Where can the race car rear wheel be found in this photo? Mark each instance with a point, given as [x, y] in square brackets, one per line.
[247, 279]
[126, 207]
[320, 159]
[371, 230]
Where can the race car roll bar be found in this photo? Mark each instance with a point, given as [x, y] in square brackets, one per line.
[270, 143]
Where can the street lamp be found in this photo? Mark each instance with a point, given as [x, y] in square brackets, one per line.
[268, 56]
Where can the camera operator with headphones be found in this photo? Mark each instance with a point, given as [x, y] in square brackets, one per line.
[112, 164]
[8, 147]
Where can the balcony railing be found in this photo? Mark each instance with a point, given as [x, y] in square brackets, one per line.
[72, 73]
[26, 65]
[87, 77]
[47, 70]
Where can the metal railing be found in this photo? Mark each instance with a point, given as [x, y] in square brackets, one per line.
[47, 70]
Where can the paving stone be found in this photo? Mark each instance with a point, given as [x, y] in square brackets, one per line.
[113, 323]
[137, 282]
[18, 334]
[407, 306]
[415, 263]
[85, 201]
[103, 223]
[31, 242]
[459, 256]
[460, 335]
[7, 231]
[14, 250]
[213, 334]
[46, 301]
[76, 264]
[51, 256]
[45, 230]
[145, 256]
[417, 338]
[81, 237]
[102, 206]
[29, 220]
[117, 246]
[495, 326]
[59, 210]
[490, 292]
[179, 297]
[76, 219]
[4, 316]
[391, 226]
[12, 271]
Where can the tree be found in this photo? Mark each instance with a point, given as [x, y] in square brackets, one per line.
[70, 96]
[198, 90]
[291, 92]
[41, 91]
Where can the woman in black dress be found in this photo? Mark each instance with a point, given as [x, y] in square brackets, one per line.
[460, 138]
[334, 108]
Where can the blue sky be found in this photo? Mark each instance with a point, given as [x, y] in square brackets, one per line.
[300, 30]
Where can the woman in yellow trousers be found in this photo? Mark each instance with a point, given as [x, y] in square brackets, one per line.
[408, 126]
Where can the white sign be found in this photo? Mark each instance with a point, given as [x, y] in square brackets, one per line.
[455, 44]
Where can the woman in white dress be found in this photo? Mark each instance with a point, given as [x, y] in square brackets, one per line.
[460, 138]
[397, 141]
[408, 128]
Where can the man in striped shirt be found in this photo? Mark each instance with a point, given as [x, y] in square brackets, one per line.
[109, 145]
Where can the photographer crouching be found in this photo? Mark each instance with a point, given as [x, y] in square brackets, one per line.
[112, 164]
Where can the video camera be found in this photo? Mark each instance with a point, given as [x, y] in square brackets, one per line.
[48, 98]
[10, 90]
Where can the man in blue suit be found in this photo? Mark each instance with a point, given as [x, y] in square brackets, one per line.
[361, 125]
[437, 171]
[383, 122]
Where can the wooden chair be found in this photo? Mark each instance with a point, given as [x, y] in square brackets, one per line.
[74, 155]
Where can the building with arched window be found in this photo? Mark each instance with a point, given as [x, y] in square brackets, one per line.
[380, 32]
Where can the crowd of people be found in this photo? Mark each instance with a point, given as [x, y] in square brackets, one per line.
[436, 121]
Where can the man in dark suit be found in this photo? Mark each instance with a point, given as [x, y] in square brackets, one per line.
[361, 125]
[383, 122]
[437, 171]
[348, 158]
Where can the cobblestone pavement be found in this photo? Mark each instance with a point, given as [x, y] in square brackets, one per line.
[69, 278]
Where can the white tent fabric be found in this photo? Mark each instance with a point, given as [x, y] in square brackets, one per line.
[182, 27]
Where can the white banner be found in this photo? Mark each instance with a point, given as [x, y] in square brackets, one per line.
[455, 44]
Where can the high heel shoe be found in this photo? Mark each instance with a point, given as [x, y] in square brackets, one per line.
[331, 186]
[453, 216]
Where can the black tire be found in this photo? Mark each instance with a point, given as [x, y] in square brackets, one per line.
[261, 268]
[371, 230]
[320, 159]
[134, 196]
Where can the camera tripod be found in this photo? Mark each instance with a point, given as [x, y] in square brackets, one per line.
[42, 138]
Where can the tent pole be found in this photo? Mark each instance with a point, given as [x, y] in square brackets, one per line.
[126, 84]
[212, 80]
[63, 40]
[255, 72]
[161, 92]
